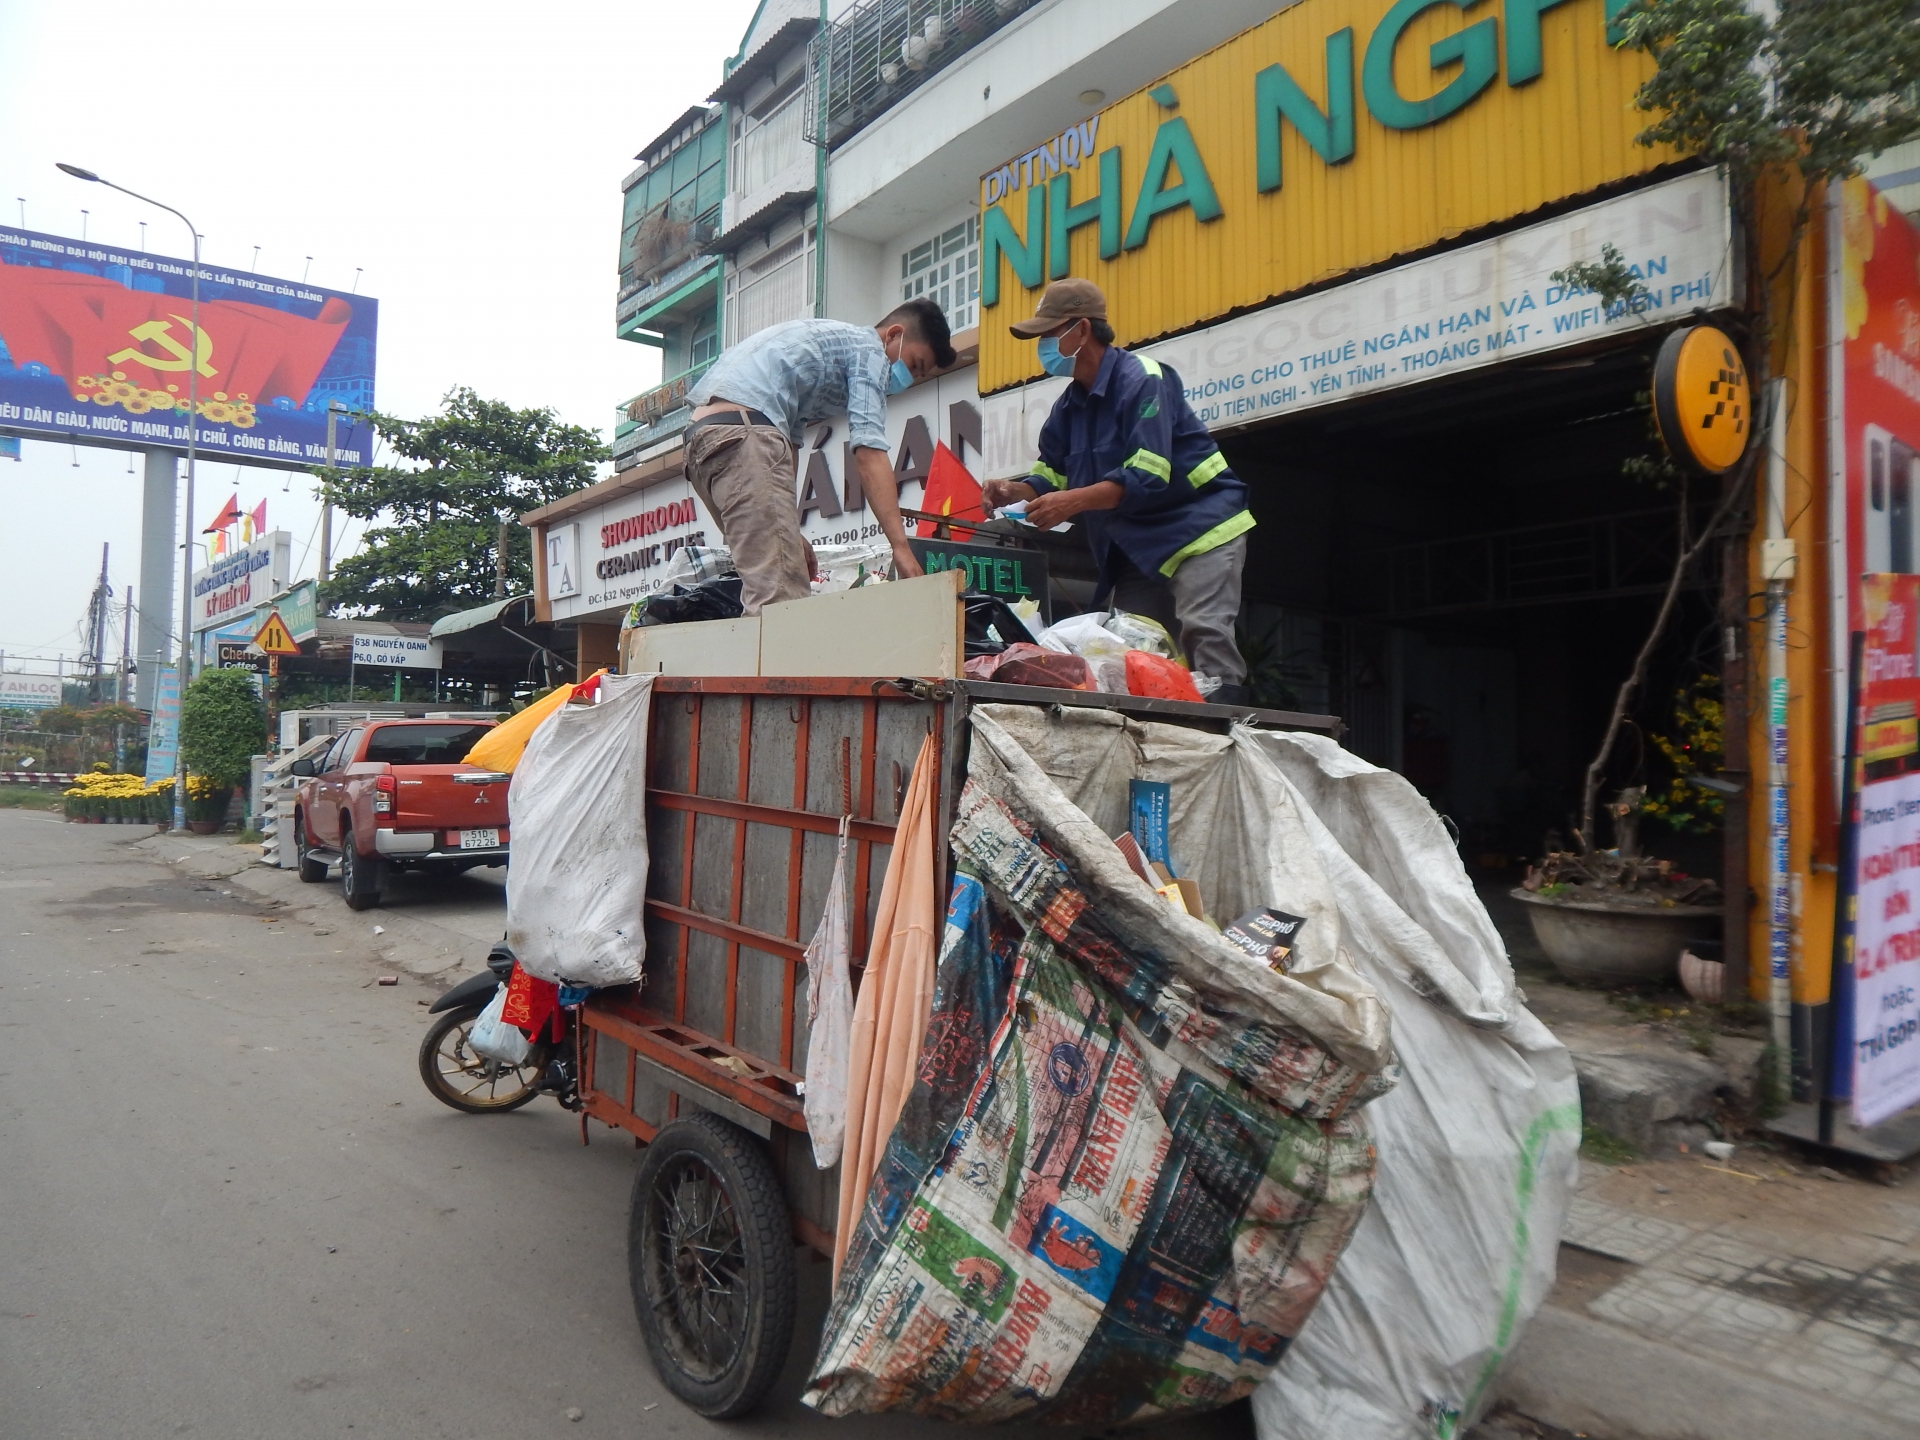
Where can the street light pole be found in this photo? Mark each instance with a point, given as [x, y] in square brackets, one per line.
[193, 425]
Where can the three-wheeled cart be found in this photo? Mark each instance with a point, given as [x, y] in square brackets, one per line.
[705, 1061]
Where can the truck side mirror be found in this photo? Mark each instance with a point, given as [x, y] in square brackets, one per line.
[301, 767]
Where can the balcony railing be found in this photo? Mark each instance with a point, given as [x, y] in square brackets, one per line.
[882, 50]
[655, 414]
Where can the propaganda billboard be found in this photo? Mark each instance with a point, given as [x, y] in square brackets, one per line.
[96, 345]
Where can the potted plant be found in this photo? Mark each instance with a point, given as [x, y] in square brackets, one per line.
[223, 725]
[1620, 916]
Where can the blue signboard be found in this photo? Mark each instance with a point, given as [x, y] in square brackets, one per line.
[96, 346]
[163, 734]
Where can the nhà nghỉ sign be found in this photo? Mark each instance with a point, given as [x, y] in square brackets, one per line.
[1333, 136]
[1446, 314]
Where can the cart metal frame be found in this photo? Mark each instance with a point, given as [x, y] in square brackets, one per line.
[747, 781]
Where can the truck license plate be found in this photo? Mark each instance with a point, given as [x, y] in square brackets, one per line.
[479, 839]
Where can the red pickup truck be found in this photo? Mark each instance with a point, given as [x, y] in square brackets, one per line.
[398, 794]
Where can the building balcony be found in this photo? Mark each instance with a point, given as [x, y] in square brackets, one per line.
[880, 51]
[654, 415]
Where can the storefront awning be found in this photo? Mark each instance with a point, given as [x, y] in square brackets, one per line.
[463, 620]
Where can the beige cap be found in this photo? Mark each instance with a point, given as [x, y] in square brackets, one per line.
[1065, 300]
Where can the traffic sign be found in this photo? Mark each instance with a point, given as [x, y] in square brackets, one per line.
[273, 638]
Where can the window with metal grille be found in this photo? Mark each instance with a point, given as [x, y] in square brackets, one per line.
[946, 269]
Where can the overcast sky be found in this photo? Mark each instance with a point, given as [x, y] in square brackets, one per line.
[467, 157]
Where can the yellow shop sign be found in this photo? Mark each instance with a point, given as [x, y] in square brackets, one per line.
[1335, 136]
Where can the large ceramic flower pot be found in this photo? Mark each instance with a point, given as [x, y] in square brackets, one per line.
[1615, 943]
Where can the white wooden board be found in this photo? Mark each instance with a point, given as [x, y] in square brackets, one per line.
[905, 627]
[700, 647]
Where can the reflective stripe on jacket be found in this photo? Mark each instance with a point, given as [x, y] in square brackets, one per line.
[1134, 426]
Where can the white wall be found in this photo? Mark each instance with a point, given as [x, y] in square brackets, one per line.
[1016, 88]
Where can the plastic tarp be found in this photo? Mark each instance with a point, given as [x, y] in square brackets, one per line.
[502, 746]
[1133, 1154]
[578, 884]
[1478, 1143]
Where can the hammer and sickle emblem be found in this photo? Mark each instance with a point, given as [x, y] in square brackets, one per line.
[160, 332]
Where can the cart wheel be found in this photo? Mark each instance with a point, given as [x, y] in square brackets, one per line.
[710, 1254]
[456, 1076]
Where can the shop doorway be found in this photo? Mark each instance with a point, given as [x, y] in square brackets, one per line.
[1464, 574]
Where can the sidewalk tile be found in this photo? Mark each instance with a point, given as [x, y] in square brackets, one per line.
[1834, 1359]
[1652, 1303]
[1623, 1234]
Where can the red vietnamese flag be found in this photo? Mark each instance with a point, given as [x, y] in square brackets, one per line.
[951, 490]
[228, 513]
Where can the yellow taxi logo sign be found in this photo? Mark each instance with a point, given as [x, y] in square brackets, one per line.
[1702, 399]
[274, 637]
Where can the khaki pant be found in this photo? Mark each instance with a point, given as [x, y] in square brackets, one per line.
[1198, 605]
[744, 475]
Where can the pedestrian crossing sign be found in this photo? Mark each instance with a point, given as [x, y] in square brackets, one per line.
[274, 638]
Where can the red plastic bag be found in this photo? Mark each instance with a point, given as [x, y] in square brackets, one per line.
[1024, 664]
[1159, 678]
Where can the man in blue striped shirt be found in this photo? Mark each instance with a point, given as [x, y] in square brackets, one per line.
[751, 407]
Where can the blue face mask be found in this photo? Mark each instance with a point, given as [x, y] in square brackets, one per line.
[899, 377]
[1051, 360]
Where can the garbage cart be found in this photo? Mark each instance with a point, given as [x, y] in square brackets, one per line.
[748, 781]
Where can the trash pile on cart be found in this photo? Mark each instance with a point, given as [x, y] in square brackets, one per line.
[1213, 1082]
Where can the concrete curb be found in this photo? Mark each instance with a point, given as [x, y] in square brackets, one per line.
[1588, 1376]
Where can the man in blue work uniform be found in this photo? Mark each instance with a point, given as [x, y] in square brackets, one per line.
[1124, 455]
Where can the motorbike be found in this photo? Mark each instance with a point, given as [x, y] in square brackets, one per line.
[458, 1076]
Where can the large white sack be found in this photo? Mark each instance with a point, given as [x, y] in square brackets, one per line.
[1235, 828]
[1477, 1143]
[578, 879]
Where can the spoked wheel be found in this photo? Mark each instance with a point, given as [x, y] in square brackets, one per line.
[470, 1082]
[710, 1252]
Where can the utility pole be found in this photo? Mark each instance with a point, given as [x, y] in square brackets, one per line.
[326, 509]
[123, 690]
[96, 658]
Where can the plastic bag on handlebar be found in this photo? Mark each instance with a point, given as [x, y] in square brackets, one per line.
[492, 1038]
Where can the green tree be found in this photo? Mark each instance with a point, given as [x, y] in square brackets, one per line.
[223, 725]
[1785, 102]
[442, 535]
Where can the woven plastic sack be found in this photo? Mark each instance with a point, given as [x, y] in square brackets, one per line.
[579, 877]
[1122, 1180]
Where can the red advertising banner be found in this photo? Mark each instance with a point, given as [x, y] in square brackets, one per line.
[1878, 319]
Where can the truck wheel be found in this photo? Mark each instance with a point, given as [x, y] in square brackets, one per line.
[710, 1256]
[360, 875]
[311, 870]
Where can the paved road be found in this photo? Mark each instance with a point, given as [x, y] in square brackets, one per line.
[228, 1208]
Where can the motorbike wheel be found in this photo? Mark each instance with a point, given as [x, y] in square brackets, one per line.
[360, 875]
[710, 1256]
[455, 1076]
[312, 871]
